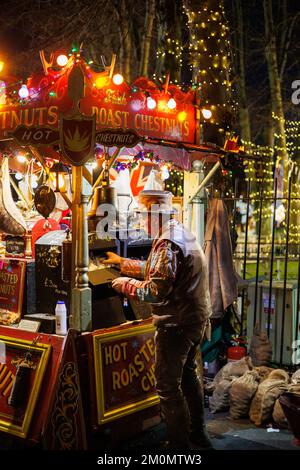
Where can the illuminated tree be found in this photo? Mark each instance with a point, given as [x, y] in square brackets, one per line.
[210, 64]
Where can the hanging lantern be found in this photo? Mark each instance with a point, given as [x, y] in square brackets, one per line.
[60, 170]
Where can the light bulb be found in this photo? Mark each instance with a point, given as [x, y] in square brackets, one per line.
[23, 92]
[151, 103]
[21, 158]
[34, 183]
[18, 176]
[62, 60]
[165, 174]
[1, 65]
[207, 114]
[136, 105]
[171, 103]
[61, 181]
[101, 82]
[181, 116]
[118, 79]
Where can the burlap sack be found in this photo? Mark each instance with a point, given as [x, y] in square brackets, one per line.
[260, 348]
[241, 393]
[296, 377]
[220, 399]
[294, 388]
[230, 371]
[279, 416]
[268, 391]
[278, 413]
[263, 372]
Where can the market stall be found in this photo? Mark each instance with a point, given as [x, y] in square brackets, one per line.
[74, 130]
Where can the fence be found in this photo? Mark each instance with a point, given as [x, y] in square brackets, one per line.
[270, 261]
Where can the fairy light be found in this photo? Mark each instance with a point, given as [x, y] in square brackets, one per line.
[23, 92]
[18, 176]
[172, 103]
[181, 116]
[171, 51]
[21, 158]
[209, 48]
[207, 114]
[62, 60]
[118, 79]
[151, 103]
[265, 175]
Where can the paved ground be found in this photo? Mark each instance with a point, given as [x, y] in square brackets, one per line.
[226, 434]
[229, 434]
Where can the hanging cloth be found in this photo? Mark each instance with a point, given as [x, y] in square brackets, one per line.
[12, 221]
[223, 280]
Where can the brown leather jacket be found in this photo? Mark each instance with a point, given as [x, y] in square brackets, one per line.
[175, 279]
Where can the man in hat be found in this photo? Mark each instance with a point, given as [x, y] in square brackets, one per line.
[175, 283]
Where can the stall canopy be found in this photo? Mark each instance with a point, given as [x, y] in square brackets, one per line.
[164, 112]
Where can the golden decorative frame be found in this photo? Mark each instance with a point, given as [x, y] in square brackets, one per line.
[104, 416]
[22, 280]
[44, 350]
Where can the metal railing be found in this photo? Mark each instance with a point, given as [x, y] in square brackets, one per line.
[264, 249]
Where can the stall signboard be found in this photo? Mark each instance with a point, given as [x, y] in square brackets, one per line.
[35, 121]
[12, 277]
[118, 138]
[124, 371]
[14, 246]
[16, 419]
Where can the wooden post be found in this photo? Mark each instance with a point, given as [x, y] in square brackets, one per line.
[81, 302]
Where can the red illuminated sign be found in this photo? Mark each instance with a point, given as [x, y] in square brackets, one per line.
[12, 275]
[114, 106]
[124, 368]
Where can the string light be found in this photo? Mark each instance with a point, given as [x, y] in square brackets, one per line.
[118, 79]
[62, 60]
[171, 103]
[209, 48]
[18, 176]
[181, 116]
[21, 158]
[207, 114]
[23, 92]
[151, 103]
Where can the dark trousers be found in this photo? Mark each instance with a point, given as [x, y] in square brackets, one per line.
[177, 384]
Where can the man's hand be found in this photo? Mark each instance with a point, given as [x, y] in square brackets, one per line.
[112, 258]
[118, 284]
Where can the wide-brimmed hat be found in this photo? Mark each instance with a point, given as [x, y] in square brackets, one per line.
[155, 201]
